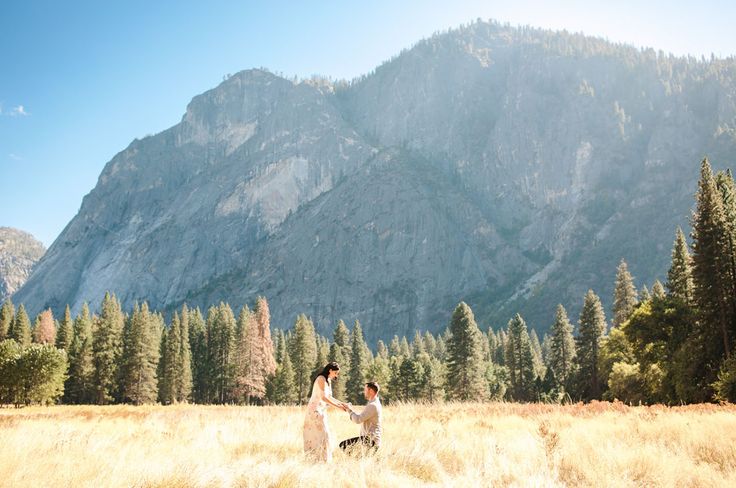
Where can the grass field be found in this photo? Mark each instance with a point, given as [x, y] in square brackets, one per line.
[444, 445]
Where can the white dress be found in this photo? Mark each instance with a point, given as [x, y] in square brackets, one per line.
[318, 440]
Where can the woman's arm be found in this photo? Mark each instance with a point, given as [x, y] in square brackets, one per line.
[325, 397]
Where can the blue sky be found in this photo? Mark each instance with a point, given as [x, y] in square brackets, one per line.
[80, 80]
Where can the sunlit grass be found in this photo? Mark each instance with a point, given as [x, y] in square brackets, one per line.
[424, 445]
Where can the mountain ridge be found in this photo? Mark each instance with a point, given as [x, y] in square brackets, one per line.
[539, 148]
[19, 253]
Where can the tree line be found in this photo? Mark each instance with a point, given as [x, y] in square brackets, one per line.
[135, 357]
[673, 344]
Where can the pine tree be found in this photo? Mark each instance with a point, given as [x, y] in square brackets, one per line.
[658, 292]
[381, 349]
[78, 386]
[379, 370]
[539, 368]
[220, 349]
[141, 346]
[281, 350]
[157, 326]
[465, 366]
[338, 384]
[165, 390]
[520, 360]
[282, 389]
[107, 349]
[247, 376]
[725, 386]
[497, 378]
[408, 386]
[65, 332]
[388, 392]
[404, 347]
[492, 344]
[546, 348]
[267, 363]
[644, 294]
[624, 295]
[562, 348]
[303, 356]
[341, 337]
[7, 314]
[183, 386]
[200, 361]
[433, 381]
[20, 330]
[394, 347]
[322, 345]
[254, 359]
[549, 389]
[591, 329]
[340, 352]
[169, 363]
[712, 289]
[499, 355]
[679, 276]
[359, 365]
[727, 188]
[430, 344]
[442, 345]
[44, 331]
[417, 344]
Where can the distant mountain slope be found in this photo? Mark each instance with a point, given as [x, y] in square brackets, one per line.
[19, 252]
[510, 167]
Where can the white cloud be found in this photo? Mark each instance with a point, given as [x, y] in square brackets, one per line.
[19, 110]
[14, 157]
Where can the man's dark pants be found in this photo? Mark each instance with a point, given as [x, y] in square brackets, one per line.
[366, 442]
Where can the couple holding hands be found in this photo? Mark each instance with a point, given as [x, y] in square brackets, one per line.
[318, 439]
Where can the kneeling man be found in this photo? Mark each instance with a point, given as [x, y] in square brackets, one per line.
[369, 419]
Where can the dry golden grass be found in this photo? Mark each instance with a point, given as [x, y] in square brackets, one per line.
[443, 445]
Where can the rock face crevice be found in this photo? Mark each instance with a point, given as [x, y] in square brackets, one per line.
[509, 167]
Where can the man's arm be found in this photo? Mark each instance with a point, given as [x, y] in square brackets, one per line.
[368, 412]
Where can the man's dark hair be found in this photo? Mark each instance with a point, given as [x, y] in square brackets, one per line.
[373, 386]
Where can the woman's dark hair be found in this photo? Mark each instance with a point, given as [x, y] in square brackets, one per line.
[333, 366]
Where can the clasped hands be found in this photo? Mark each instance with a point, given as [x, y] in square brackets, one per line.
[346, 407]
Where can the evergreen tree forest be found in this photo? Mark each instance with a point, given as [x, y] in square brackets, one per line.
[674, 344]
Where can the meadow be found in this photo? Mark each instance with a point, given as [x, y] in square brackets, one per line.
[450, 444]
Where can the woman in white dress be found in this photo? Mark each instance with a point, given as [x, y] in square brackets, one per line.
[318, 440]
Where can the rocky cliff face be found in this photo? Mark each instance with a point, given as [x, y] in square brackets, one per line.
[511, 168]
[19, 253]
